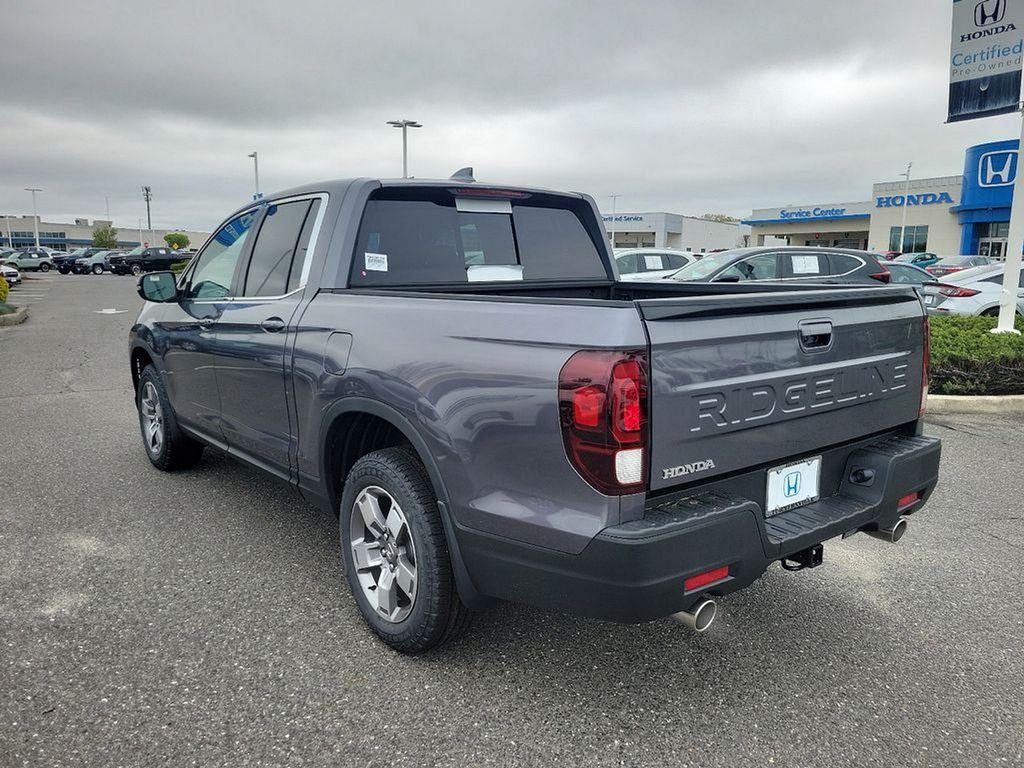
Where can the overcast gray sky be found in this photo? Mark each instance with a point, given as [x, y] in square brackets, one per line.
[682, 106]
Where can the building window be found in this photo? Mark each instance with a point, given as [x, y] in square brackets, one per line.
[915, 239]
[994, 229]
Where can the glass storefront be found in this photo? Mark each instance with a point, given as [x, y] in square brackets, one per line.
[915, 239]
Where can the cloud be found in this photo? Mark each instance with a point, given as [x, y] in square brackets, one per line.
[682, 106]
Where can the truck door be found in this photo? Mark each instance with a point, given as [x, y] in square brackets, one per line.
[252, 334]
[187, 327]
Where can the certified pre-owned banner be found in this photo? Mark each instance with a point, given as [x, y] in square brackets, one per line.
[985, 58]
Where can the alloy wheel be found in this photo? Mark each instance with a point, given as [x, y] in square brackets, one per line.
[152, 418]
[383, 553]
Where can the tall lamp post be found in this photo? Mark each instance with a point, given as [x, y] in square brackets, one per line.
[906, 193]
[611, 229]
[147, 195]
[405, 125]
[256, 172]
[35, 214]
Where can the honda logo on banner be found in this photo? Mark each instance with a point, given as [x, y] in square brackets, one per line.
[997, 169]
[989, 12]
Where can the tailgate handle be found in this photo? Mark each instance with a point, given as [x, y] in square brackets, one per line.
[815, 334]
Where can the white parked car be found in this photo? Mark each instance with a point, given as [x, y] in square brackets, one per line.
[973, 291]
[11, 275]
[650, 263]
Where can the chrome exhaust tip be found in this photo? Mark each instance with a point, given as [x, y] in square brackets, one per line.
[700, 618]
[892, 535]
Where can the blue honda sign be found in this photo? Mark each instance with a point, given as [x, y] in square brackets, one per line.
[985, 58]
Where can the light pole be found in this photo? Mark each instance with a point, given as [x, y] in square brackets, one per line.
[906, 194]
[611, 229]
[256, 173]
[35, 214]
[107, 198]
[147, 195]
[140, 230]
[405, 125]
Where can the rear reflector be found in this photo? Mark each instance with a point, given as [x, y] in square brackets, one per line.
[909, 500]
[708, 577]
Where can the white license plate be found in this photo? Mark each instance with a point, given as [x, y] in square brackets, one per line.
[792, 485]
[929, 299]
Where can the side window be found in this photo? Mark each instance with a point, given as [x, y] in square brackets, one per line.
[672, 261]
[900, 275]
[274, 249]
[808, 264]
[302, 249]
[628, 264]
[841, 263]
[215, 266]
[763, 266]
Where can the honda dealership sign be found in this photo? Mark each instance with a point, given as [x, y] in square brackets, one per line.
[985, 58]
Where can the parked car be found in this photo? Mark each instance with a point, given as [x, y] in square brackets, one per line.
[785, 263]
[908, 273]
[492, 415]
[29, 262]
[11, 275]
[650, 263]
[63, 262]
[973, 291]
[95, 263]
[922, 260]
[947, 265]
[142, 259]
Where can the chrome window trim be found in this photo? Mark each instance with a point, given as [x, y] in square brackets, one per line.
[307, 263]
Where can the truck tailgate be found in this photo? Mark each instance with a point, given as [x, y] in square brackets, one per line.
[750, 379]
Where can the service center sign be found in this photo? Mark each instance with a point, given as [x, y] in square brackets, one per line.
[985, 58]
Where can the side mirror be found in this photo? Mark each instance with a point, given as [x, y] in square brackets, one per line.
[161, 287]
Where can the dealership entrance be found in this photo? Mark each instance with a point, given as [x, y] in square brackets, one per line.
[993, 247]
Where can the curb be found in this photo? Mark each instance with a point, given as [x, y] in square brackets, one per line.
[1003, 404]
[14, 318]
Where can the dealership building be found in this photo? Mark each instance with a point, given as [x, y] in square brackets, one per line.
[19, 232]
[947, 215]
[674, 230]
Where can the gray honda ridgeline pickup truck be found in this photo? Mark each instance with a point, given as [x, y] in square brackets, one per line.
[453, 369]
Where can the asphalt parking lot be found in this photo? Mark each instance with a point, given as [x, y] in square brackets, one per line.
[200, 618]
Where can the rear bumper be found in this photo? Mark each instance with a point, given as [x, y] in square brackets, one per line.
[635, 572]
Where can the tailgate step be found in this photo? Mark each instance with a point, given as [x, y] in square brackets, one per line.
[802, 527]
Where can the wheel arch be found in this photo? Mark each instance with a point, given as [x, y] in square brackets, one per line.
[372, 416]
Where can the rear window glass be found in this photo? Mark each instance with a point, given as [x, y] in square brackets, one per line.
[420, 237]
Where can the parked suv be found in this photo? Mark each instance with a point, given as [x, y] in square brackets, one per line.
[142, 259]
[453, 370]
[95, 263]
[65, 261]
[651, 263]
[29, 262]
[786, 263]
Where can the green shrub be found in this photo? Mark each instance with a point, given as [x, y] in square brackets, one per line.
[966, 359]
[4, 289]
[177, 267]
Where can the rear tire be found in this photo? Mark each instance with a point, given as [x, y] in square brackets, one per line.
[991, 312]
[44, 267]
[409, 544]
[136, 270]
[167, 447]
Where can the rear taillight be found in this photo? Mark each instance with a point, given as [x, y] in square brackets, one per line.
[883, 277]
[926, 353]
[602, 399]
[956, 292]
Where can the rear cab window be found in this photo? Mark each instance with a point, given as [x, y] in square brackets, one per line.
[420, 236]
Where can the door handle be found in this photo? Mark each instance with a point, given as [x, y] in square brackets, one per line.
[272, 325]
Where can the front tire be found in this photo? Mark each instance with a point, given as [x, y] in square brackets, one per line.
[167, 447]
[44, 267]
[97, 269]
[136, 270]
[396, 555]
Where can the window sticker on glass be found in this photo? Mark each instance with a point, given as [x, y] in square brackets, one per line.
[652, 262]
[805, 264]
[376, 262]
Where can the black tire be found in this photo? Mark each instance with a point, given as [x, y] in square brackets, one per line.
[176, 450]
[97, 269]
[63, 271]
[437, 614]
[44, 267]
[135, 269]
[991, 312]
